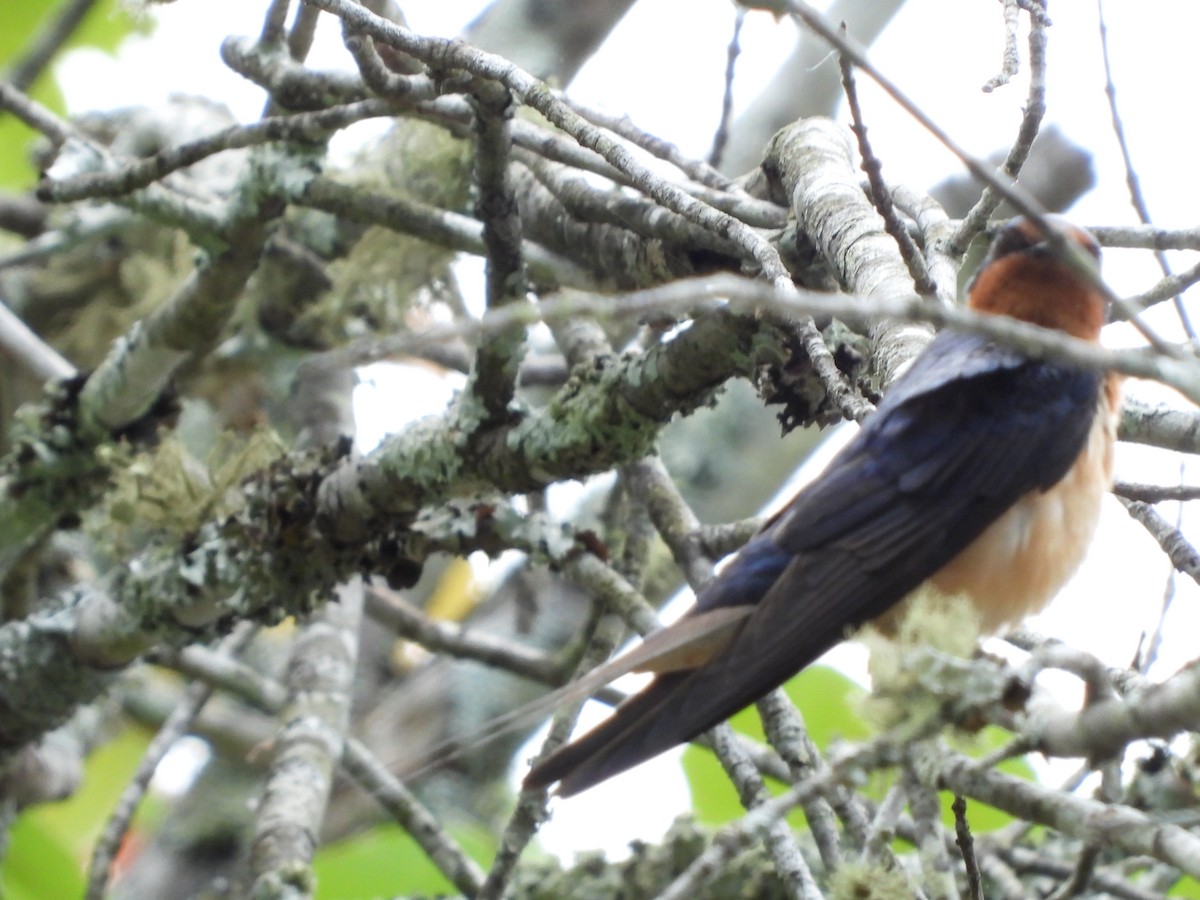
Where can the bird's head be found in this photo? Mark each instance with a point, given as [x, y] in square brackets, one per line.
[1027, 277]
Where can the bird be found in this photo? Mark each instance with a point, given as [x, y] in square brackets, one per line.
[980, 473]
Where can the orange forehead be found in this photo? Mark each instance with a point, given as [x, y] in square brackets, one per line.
[1042, 290]
[1032, 234]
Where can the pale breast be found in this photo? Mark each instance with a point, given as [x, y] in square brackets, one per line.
[1023, 558]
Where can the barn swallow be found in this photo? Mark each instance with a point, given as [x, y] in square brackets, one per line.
[980, 473]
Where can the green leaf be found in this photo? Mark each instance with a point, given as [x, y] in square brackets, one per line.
[829, 702]
[21, 23]
[104, 27]
[108, 24]
[386, 861]
[39, 864]
[1185, 887]
[51, 843]
[984, 818]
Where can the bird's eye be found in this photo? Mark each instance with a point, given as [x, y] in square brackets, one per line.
[1018, 235]
[1085, 240]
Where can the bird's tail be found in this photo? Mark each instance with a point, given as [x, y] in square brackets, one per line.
[624, 740]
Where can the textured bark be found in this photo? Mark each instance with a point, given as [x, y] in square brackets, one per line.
[174, 234]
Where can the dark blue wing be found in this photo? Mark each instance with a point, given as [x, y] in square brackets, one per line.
[966, 432]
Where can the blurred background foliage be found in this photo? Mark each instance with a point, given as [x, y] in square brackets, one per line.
[103, 28]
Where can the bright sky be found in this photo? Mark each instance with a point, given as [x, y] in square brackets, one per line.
[940, 52]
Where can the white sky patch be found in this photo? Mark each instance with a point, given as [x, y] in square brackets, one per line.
[180, 766]
[391, 395]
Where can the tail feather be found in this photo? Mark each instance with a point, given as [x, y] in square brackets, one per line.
[633, 734]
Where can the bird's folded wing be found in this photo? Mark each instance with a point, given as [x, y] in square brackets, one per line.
[944, 456]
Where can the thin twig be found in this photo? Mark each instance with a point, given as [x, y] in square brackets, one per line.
[304, 29]
[1156, 493]
[33, 114]
[1146, 237]
[494, 377]
[931, 845]
[380, 77]
[1172, 541]
[274, 23]
[721, 136]
[1168, 287]
[1005, 884]
[1035, 109]
[159, 203]
[881, 197]
[1085, 666]
[780, 841]
[1025, 860]
[966, 846]
[219, 671]
[651, 483]
[588, 202]
[623, 127]
[692, 297]
[1081, 875]
[531, 806]
[45, 45]
[1136, 197]
[406, 810]
[881, 830]
[391, 610]
[937, 230]
[1015, 194]
[1012, 59]
[177, 723]
[786, 732]
[1147, 651]
[88, 224]
[303, 127]
[430, 223]
[20, 343]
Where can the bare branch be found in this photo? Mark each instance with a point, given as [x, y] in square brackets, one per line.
[459, 641]
[1136, 197]
[292, 805]
[1012, 59]
[301, 127]
[1009, 190]
[881, 197]
[721, 136]
[1181, 553]
[34, 114]
[47, 43]
[494, 377]
[359, 763]
[966, 846]
[18, 342]
[176, 725]
[1035, 109]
